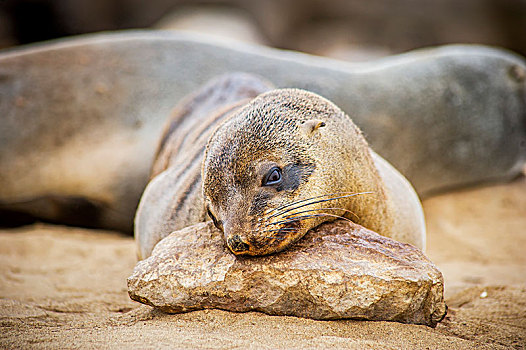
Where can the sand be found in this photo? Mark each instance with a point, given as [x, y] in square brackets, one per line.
[63, 287]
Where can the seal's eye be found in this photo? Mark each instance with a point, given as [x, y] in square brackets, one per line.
[273, 177]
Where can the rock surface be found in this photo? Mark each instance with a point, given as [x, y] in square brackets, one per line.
[339, 270]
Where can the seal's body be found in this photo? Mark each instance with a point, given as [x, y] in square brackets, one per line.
[274, 167]
[80, 118]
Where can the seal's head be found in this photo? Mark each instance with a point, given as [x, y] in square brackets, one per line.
[270, 171]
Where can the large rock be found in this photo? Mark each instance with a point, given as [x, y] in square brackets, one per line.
[339, 270]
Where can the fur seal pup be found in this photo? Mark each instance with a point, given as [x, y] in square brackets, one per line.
[272, 168]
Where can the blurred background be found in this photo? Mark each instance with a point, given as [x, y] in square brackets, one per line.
[353, 30]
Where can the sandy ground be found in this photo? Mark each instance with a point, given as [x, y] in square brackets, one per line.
[66, 288]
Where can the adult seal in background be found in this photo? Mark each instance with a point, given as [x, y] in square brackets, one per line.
[80, 117]
[272, 168]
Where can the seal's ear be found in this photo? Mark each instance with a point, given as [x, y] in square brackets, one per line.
[310, 126]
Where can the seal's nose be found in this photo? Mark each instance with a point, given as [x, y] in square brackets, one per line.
[236, 245]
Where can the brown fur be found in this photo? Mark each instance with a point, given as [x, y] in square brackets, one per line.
[220, 143]
[324, 154]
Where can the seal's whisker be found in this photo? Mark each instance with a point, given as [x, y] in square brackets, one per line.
[326, 214]
[305, 217]
[345, 210]
[270, 237]
[292, 219]
[307, 199]
[285, 229]
[315, 202]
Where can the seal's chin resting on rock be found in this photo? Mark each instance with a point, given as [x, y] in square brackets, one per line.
[278, 227]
